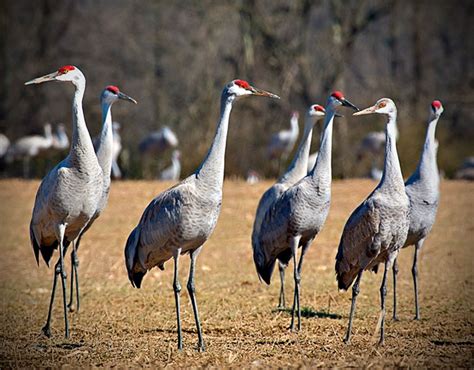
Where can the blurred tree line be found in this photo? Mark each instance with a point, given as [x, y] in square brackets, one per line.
[174, 57]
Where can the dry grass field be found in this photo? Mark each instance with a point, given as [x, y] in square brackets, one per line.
[122, 326]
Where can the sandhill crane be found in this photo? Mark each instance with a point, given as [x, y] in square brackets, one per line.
[281, 143]
[422, 188]
[104, 151]
[295, 172]
[312, 160]
[377, 229]
[67, 198]
[252, 177]
[117, 148]
[182, 218]
[28, 147]
[466, 171]
[298, 215]
[373, 145]
[172, 172]
[154, 145]
[60, 138]
[158, 141]
[4, 145]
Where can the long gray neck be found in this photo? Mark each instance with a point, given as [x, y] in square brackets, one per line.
[211, 172]
[427, 169]
[104, 150]
[321, 174]
[82, 150]
[392, 178]
[299, 166]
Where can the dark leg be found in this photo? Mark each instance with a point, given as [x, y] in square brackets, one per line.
[414, 272]
[294, 242]
[177, 290]
[47, 327]
[395, 273]
[192, 291]
[74, 273]
[383, 294]
[355, 293]
[300, 267]
[62, 229]
[281, 302]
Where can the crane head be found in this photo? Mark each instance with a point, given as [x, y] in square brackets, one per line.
[337, 98]
[240, 88]
[383, 106]
[112, 93]
[66, 73]
[316, 110]
[437, 108]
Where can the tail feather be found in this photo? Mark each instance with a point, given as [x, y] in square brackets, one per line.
[265, 272]
[345, 273]
[134, 269]
[34, 244]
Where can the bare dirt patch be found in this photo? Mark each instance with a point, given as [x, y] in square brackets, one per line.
[119, 325]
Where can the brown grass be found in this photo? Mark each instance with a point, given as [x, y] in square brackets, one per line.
[119, 325]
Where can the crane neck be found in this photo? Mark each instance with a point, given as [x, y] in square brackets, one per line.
[81, 148]
[294, 126]
[106, 140]
[392, 178]
[299, 166]
[427, 169]
[210, 173]
[321, 174]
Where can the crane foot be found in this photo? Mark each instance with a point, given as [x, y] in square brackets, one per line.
[46, 331]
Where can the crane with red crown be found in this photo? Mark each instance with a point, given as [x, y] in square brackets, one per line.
[67, 198]
[182, 218]
[299, 214]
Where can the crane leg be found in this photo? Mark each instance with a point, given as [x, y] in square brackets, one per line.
[281, 302]
[47, 327]
[74, 274]
[61, 231]
[294, 242]
[414, 272]
[395, 273]
[192, 295]
[355, 293]
[177, 290]
[383, 294]
[300, 267]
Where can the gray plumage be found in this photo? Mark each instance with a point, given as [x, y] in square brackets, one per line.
[182, 218]
[172, 172]
[67, 198]
[4, 145]
[28, 147]
[466, 171]
[298, 215]
[312, 160]
[281, 143]
[60, 138]
[158, 141]
[116, 150]
[377, 229]
[295, 172]
[422, 188]
[104, 150]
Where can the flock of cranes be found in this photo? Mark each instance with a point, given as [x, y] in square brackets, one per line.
[289, 216]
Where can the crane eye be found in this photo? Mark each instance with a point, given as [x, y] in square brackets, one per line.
[382, 104]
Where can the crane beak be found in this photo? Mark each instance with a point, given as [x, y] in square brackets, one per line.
[263, 93]
[347, 103]
[46, 78]
[123, 96]
[368, 110]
